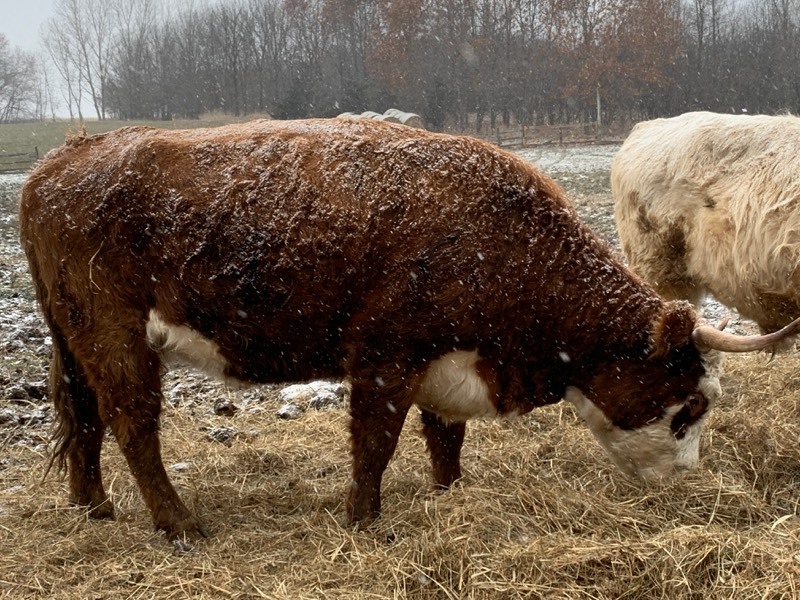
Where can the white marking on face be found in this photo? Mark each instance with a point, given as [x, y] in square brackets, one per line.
[649, 452]
[453, 389]
[709, 383]
[184, 345]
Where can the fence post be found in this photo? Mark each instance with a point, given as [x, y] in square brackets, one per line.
[599, 113]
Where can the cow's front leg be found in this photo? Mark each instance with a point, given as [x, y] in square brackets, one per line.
[444, 444]
[377, 420]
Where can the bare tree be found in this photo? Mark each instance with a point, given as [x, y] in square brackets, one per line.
[134, 61]
[524, 61]
[348, 22]
[44, 105]
[17, 82]
[768, 57]
[269, 51]
[230, 31]
[86, 26]
[67, 64]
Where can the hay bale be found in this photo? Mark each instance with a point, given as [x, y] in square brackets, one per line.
[406, 118]
[392, 115]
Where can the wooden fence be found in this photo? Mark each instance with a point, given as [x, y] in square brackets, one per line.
[17, 162]
[522, 136]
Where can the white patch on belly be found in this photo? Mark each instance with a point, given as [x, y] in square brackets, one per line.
[453, 389]
[184, 345]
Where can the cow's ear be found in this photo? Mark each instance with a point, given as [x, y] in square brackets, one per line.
[672, 328]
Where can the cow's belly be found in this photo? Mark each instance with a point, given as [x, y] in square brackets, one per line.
[246, 359]
[453, 388]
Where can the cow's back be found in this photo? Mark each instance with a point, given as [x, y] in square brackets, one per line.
[316, 226]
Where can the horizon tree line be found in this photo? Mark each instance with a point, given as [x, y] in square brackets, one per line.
[454, 62]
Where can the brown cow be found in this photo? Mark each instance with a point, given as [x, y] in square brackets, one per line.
[428, 269]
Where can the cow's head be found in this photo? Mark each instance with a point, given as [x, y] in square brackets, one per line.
[648, 412]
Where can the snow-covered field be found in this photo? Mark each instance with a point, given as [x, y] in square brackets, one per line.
[9, 194]
[24, 342]
[571, 159]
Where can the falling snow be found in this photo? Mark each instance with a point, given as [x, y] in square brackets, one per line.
[25, 344]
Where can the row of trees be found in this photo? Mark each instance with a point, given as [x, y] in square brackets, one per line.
[534, 61]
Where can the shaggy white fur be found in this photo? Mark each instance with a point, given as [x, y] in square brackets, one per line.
[710, 202]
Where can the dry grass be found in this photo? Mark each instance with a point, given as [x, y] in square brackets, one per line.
[541, 513]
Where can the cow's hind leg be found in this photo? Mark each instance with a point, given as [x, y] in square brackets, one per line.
[444, 444]
[79, 434]
[377, 420]
[129, 395]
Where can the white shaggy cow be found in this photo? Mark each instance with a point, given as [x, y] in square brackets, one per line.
[710, 203]
[430, 270]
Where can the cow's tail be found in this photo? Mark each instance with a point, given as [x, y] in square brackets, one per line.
[67, 385]
[69, 391]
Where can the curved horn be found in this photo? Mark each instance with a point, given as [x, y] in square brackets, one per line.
[707, 337]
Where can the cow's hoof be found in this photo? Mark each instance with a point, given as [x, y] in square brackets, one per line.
[100, 510]
[186, 529]
[360, 522]
[104, 511]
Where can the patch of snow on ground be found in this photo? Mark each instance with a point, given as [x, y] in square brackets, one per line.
[571, 159]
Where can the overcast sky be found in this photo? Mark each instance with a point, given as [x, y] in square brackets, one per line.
[20, 21]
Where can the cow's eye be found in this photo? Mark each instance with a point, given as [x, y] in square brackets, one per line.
[693, 408]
